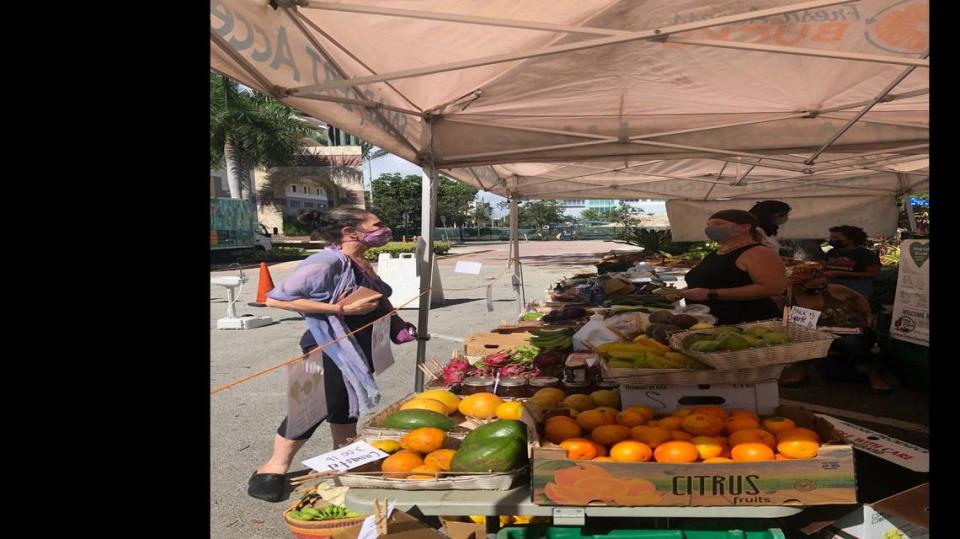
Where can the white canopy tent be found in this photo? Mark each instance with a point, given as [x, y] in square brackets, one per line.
[690, 100]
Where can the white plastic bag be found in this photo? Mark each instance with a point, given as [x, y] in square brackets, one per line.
[628, 325]
[593, 334]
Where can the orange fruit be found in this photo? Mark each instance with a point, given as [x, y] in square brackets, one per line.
[703, 424]
[713, 460]
[676, 452]
[601, 450]
[448, 399]
[610, 412]
[798, 449]
[579, 448]
[423, 440]
[708, 446]
[424, 471]
[509, 410]
[683, 411]
[726, 452]
[652, 436]
[631, 418]
[631, 451]
[645, 410]
[480, 405]
[711, 409]
[592, 419]
[777, 424]
[551, 393]
[387, 446]
[742, 412]
[681, 435]
[740, 422]
[751, 452]
[401, 462]
[609, 434]
[558, 430]
[579, 401]
[671, 422]
[752, 436]
[778, 456]
[798, 433]
[440, 458]
[422, 403]
[602, 459]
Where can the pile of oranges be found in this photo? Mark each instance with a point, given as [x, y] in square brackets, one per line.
[418, 455]
[706, 434]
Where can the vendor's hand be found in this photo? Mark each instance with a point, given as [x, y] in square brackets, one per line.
[694, 294]
[833, 273]
[363, 306]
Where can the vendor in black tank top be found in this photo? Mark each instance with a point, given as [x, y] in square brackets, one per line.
[737, 280]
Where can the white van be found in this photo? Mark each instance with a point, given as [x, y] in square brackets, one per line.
[261, 238]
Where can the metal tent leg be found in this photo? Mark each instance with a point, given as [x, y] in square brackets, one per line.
[428, 215]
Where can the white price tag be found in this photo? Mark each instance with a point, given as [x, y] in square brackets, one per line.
[369, 528]
[804, 317]
[346, 458]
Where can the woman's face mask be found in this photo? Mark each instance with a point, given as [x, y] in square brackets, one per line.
[377, 238]
[720, 233]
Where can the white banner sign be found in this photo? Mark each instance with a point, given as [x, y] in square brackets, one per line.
[306, 397]
[896, 451]
[346, 458]
[911, 308]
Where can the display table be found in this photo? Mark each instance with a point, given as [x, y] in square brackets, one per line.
[517, 502]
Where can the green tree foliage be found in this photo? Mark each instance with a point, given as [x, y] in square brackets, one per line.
[396, 200]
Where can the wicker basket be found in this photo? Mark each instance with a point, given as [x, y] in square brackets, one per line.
[748, 375]
[479, 481]
[804, 344]
[309, 529]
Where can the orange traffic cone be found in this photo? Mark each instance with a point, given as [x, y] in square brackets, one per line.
[265, 285]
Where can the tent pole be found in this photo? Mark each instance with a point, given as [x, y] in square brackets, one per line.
[854, 56]
[911, 218]
[428, 215]
[515, 254]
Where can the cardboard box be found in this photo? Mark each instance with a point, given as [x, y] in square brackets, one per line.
[462, 528]
[763, 398]
[484, 344]
[901, 516]
[828, 479]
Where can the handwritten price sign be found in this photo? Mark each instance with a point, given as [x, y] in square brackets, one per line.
[804, 317]
[346, 458]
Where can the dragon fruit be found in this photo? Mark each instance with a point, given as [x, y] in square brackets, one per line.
[499, 359]
[455, 372]
[513, 369]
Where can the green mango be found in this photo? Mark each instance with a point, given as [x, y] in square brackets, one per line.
[758, 331]
[705, 346]
[773, 338]
[733, 342]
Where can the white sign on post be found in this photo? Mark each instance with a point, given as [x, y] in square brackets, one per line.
[472, 268]
[804, 317]
[346, 458]
[911, 308]
[380, 345]
[306, 397]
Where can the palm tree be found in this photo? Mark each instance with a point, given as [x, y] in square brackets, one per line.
[248, 129]
[367, 155]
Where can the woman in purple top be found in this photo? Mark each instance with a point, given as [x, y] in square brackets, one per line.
[313, 290]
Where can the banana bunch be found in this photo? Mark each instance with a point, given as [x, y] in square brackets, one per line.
[553, 340]
[329, 512]
[645, 353]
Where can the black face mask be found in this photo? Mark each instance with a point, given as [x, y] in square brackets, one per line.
[837, 244]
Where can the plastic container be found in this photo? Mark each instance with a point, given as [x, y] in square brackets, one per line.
[540, 382]
[752, 531]
[594, 333]
[477, 384]
[514, 387]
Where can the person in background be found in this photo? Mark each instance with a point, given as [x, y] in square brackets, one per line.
[771, 215]
[850, 263]
[737, 280]
[850, 358]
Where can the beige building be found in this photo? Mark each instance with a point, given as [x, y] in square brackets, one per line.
[327, 177]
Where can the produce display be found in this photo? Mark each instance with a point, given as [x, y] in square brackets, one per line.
[327, 512]
[731, 338]
[593, 427]
[645, 353]
[498, 446]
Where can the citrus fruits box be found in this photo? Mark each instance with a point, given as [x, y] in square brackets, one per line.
[828, 478]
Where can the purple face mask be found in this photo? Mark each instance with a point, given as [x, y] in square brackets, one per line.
[377, 238]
